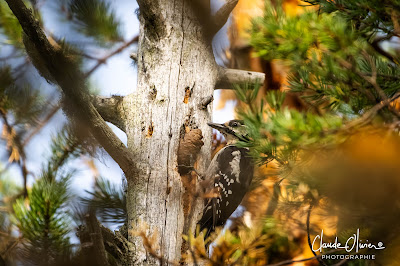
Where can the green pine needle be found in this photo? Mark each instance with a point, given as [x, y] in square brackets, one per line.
[97, 19]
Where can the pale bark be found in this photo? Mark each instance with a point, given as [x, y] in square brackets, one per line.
[227, 77]
[173, 58]
[111, 110]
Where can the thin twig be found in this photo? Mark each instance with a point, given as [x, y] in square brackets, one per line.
[10, 56]
[20, 148]
[105, 58]
[24, 172]
[286, 262]
[194, 258]
[5, 169]
[309, 237]
[369, 115]
[340, 262]
[351, 67]
[42, 123]
[378, 49]
[372, 80]
[11, 247]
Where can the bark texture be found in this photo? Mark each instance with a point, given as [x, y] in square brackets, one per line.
[176, 71]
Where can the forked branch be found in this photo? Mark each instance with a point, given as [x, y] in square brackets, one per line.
[111, 110]
[71, 80]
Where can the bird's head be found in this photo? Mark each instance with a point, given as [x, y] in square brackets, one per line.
[233, 130]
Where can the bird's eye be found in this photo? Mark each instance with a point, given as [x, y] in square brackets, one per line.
[235, 124]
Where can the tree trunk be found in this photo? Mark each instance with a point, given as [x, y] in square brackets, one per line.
[176, 71]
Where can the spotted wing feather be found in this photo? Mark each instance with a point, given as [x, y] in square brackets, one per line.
[232, 171]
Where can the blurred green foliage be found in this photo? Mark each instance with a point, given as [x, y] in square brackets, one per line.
[44, 222]
[327, 151]
[9, 26]
[96, 18]
[109, 201]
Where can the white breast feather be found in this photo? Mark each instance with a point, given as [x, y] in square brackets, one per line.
[235, 165]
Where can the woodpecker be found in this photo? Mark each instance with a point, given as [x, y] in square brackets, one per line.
[228, 176]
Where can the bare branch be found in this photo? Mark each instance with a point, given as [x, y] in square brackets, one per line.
[112, 243]
[116, 51]
[227, 77]
[222, 15]
[116, 244]
[376, 45]
[150, 5]
[205, 101]
[370, 114]
[396, 21]
[134, 57]
[150, 15]
[96, 237]
[110, 109]
[66, 74]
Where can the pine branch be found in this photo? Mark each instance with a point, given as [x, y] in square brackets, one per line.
[372, 80]
[72, 82]
[371, 113]
[16, 143]
[108, 201]
[64, 146]
[97, 19]
[43, 223]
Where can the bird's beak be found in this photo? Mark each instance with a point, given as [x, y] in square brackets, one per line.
[220, 127]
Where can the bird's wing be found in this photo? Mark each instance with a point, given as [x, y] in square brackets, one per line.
[208, 220]
[229, 176]
[216, 174]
